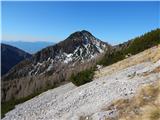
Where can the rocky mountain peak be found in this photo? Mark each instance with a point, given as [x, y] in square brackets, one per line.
[83, 45]
[80, 34]
[80, 43]
[81, 37]
[79, 47]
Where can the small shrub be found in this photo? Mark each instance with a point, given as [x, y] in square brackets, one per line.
[82, 77]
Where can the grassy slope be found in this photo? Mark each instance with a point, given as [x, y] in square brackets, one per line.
[152, 55]
[137, 45]
[144, 106]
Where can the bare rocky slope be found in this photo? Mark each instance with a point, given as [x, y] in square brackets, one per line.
[118, 81]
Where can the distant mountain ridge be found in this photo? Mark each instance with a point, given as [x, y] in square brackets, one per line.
[55, 64]
[78, 47]
[30, 47]
[80, 44]
[10, 56]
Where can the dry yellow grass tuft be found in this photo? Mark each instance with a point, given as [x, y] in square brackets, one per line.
[145, 105]
[151, 112]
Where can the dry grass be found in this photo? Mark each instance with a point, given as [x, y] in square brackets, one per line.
[152, 54]
[143, 106]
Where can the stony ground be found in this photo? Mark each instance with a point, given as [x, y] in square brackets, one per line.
[68, 102]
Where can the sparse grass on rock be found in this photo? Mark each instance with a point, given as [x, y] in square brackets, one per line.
[144, 106]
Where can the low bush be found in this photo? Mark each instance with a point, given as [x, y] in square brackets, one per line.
[82, 77]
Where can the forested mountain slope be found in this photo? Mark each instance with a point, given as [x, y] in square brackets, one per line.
[10, 56]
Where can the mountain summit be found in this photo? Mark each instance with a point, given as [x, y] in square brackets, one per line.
[78, 46]
[54, 64]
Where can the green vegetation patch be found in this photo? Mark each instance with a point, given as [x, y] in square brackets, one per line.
[82, 77]
[137, 45]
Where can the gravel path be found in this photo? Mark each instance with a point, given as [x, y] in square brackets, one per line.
[68, 102]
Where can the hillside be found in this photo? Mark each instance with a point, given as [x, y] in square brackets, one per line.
[10, 57]
[99, 98]
[132, 47]
[150, 55]
[118, 53]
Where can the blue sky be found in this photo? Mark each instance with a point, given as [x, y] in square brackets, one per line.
[113, 22]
